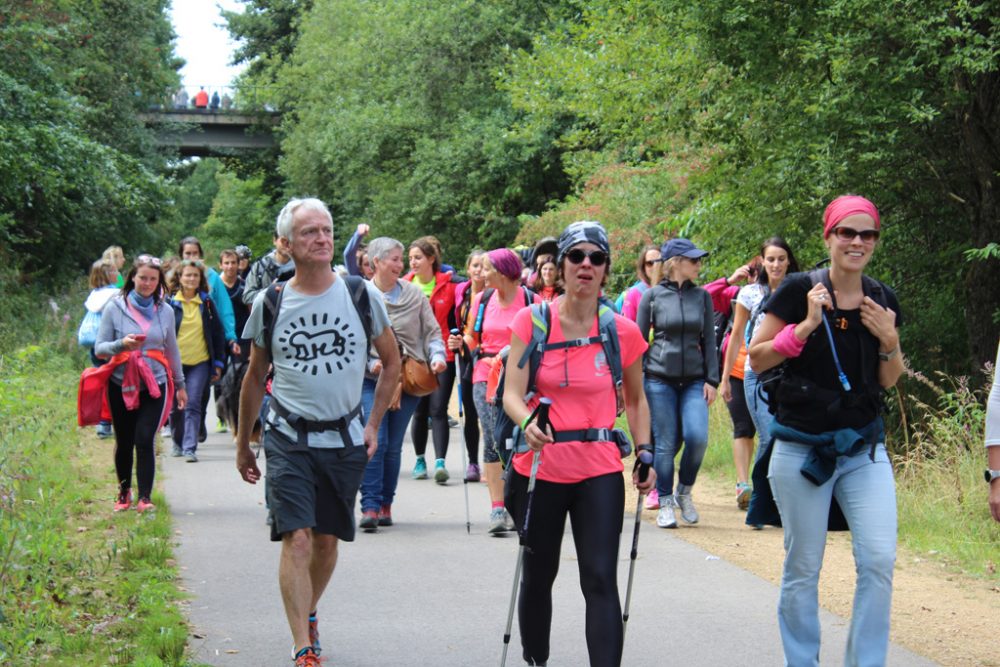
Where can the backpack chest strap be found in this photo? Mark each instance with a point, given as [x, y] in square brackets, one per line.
[576, 342]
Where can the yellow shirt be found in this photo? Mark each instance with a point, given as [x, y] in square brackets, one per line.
[427, 288]
[191, 336]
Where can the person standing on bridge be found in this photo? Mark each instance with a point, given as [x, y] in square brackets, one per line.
[316, 446]
[215, 101]
[201, 99]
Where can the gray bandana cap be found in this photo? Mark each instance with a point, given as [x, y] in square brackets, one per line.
[583, 231]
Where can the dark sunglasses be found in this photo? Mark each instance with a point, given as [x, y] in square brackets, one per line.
[597, 257]
[848, 234]
[653, 262]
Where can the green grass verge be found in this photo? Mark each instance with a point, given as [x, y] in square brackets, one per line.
[78, 585]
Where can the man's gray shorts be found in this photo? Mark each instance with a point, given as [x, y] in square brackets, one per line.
[312, 487]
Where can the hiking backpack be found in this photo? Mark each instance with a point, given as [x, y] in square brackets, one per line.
[769, 381]
[506, 433]
[359, 297]
[723, 326]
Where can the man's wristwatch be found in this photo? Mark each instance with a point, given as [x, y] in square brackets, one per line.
[991, 475]
[890, 355]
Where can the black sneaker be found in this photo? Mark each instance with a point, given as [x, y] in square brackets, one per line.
[369, 521]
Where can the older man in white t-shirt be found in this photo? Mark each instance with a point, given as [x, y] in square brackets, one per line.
[315, 443]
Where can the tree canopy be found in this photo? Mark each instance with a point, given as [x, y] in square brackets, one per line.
[79, 169]
[779, 108]
[394, 118]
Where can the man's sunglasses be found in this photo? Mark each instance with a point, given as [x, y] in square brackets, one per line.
[597, 257]
[848, 234]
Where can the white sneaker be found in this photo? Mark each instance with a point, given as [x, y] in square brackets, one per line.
[498, 523]
[682, 497]
[665, 517]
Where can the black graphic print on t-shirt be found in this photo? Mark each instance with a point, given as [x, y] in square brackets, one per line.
[316, 344]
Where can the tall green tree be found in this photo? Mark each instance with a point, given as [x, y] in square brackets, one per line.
[79, 172]
[782, 107]
[395, 119]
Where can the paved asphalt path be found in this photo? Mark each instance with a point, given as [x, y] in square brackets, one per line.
[424, 592]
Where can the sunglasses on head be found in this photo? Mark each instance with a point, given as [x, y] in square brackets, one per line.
[597, 257]
[147, 260]
[848, 234]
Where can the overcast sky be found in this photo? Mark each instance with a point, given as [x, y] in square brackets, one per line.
[203, 41]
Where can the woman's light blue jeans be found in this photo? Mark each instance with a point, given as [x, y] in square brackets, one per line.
[378, 486]
[759, 413]
[866, 492]
[679, 413]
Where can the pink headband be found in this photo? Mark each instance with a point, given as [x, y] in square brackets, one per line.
[845, 206]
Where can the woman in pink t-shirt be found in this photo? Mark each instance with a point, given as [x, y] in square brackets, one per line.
[486, 336]
[580, 478]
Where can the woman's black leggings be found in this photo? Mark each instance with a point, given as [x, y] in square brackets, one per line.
[434, 405]
[135, 429]
[595, 507]
[470, 417]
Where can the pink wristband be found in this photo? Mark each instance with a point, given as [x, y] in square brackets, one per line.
[787, 344]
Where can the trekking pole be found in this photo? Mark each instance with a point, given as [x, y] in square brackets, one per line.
[541, 415]
[465, 445]
[645, 456]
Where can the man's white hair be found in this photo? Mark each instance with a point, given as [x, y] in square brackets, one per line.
[284, 224]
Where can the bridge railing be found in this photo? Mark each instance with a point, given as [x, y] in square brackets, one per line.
[220, 99]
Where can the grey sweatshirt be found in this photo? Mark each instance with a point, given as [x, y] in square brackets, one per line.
[116, 323]
[682, 322]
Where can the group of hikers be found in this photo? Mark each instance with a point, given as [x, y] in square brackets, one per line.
[330, 366]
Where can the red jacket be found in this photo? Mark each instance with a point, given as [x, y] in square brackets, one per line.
[443, 305]
[92, 397]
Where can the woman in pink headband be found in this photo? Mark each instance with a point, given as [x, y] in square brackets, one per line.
[833, 333]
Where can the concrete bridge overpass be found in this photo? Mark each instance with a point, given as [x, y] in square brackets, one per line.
[212, 133]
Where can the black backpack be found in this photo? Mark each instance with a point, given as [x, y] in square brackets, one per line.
[769, 382]
[723, 325]
[359, 296]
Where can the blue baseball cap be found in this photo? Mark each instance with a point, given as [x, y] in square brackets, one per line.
[682, 248]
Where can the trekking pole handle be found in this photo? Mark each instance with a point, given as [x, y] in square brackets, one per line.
[542, 413]
[644, 459]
